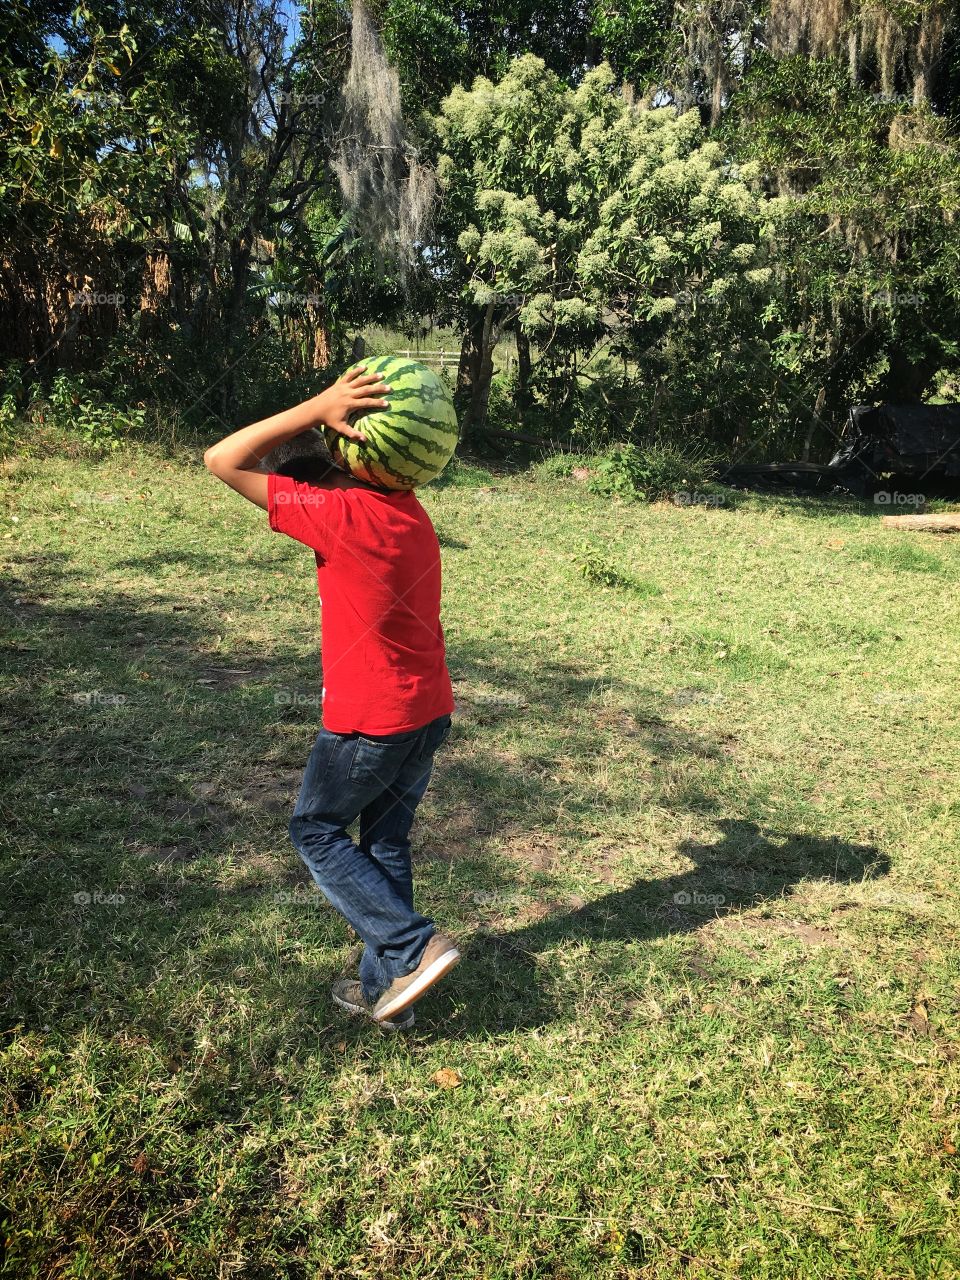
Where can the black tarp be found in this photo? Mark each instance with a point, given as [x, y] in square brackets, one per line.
[911, 440]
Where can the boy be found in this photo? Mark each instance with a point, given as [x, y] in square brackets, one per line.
[387, 699]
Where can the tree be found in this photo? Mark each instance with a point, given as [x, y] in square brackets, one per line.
[869, 246]
[589, 220]
[172, 162]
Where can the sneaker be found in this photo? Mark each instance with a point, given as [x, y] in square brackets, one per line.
[348, 994]
[439, 957]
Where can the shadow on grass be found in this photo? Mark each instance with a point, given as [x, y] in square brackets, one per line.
[152, 798]
[192, 560]
[504, 988]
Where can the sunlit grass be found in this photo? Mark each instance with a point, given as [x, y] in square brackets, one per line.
[699, 841]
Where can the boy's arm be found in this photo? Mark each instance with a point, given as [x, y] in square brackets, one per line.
[236, 458]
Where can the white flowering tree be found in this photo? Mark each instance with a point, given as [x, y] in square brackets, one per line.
[589, 224]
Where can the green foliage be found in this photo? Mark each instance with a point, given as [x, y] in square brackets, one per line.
[161, 161]
[438, 44]
[867, 236]
[649, 473]
[638, 37]
[100, 425]
[559, 466]
[562, 213]
[776, 238]
[458, 474]
[9, 417]
[602, 572]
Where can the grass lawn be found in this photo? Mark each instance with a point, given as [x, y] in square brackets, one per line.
[697, 831]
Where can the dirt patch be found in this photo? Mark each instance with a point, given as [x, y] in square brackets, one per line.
[272, 791]
[843, 908]
[543, 908]
[536, 850]
[211, 801]
[807, 933]
[616, 720]
[605, 859]
[698, 962]
[452, 835]
[198, 812]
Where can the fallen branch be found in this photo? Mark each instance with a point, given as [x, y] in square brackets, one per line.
[932, 524]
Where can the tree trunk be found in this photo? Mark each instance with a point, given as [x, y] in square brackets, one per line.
[815, 421]
[523, 369]
[475, 373]
[319, 323]
[241, 251]
[946, 523]
[908, 377]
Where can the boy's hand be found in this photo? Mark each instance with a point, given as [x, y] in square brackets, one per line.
[353, 394]
[237, 458]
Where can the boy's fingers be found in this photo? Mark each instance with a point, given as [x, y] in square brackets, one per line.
[351, 433]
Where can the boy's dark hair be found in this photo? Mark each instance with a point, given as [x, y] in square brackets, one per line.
[307, 460]
[304, 458]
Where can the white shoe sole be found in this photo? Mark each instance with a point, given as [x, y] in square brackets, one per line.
[386, 1024]
[433, 973]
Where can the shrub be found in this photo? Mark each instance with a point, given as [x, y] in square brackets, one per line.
[649, 473]
[558, 466]
[99, 425]
[597, 569]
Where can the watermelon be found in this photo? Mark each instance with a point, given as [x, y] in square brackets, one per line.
[409, 443]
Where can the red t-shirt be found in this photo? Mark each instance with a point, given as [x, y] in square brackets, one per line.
[378, 573]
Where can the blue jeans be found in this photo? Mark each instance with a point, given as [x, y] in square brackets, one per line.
[381, 780]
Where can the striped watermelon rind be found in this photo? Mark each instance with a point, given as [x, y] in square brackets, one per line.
[409, 443]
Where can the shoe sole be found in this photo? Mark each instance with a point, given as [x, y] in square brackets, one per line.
[433, 973]
[386, 1025]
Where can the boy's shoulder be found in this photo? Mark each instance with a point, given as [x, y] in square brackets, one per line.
[392, 499]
